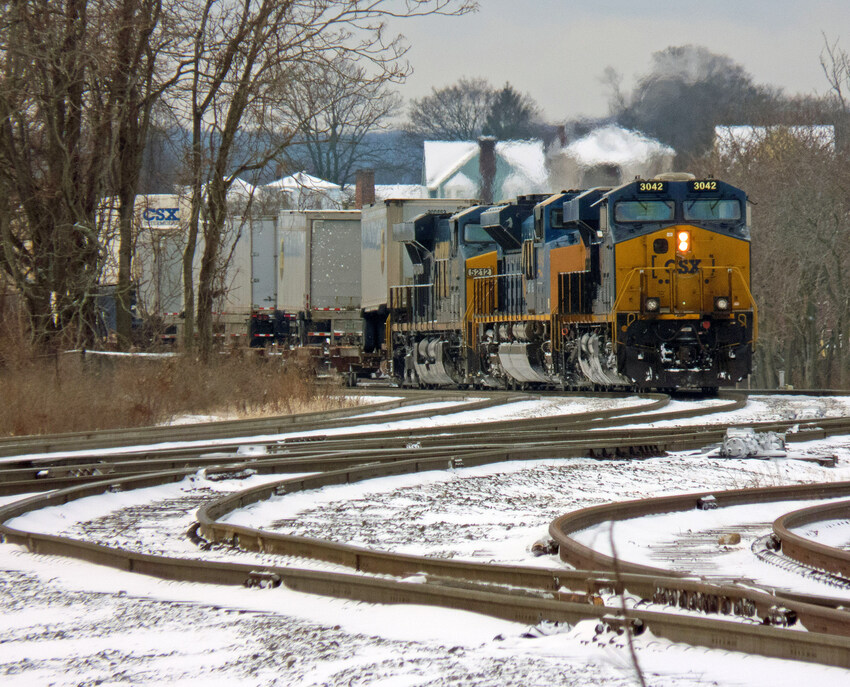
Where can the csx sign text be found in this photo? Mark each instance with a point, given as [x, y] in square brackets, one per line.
[161, 215]
[684, 266]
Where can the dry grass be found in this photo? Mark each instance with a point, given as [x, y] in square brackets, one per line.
[73, 393]
[70, 393]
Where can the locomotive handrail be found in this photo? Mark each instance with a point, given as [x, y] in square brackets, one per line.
[735, 269]
[732, 269]
[491, 283]
[468, 324]
[484, 289]
[616, 309]
[406, 298]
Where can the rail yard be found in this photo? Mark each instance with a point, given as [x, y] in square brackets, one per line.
[438, 538]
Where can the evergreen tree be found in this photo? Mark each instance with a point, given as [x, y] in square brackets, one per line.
[512, 115]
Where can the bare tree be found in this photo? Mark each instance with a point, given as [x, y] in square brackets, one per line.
[336, 104]
[836, 68]
[453, 113]
[239, 49]
[142, 69]
[56, 148]
[80, 79]
[800, 268]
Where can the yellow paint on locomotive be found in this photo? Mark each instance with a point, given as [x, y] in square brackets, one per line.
[486, 268]
[686, 284]
[567, 259]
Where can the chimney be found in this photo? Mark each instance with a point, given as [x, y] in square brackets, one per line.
[364, 188]
[562, 135]
[487, 167]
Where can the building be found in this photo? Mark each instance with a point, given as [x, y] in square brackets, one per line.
[302, 191]
[608, 156]
[488, 169]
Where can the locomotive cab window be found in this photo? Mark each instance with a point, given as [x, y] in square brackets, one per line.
[643, 211]
[713, 210]
[474, 233]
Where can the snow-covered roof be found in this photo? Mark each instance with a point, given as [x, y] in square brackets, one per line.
[527, 159]
[303, 180]
[614, 145]
[387, 191]
[306, 192]
[444, 158]
[729, 138]
[460, 186]
[241, 188]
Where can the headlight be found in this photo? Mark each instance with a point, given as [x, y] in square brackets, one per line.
[652, 305]
[721, 303]
[683, 241]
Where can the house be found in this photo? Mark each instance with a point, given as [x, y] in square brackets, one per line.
[302, 191]
[608, 156]
[486, 169]
[386, 191]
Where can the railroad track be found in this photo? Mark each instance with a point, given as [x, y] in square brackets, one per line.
[593, 433]
[722, 616]
[810, 553]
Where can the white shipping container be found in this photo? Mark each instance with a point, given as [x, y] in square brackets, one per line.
[319, 260]
[264, 260]
[384, 262]
[158, 271]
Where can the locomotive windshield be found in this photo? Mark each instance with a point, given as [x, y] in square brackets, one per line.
[643, 211]
[712, 209]
[473, 233]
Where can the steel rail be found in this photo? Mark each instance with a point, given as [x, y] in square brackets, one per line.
[581, 556]
[342, 417]
[658, 585]
[662, 589]
[243, 429]
[511, 605]
[813, 553]
[559, 436]
[321, 455]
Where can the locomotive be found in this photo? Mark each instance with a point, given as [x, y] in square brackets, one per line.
[643, 286]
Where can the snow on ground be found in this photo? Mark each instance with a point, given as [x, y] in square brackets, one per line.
[834, 533]
[69, 623]
[496, 512]
[759, 409]
[689, 542]
[354, 400]
[511, 411]
[422, 406]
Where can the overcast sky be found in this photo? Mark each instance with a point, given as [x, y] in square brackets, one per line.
[557, 50]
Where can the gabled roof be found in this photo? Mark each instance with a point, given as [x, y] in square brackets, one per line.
[614, 145]
[527, 158]
[240, 187]
[301, 180]
[443, 159]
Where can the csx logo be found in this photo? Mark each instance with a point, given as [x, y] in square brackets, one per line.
[684, 266]
[161, 215]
